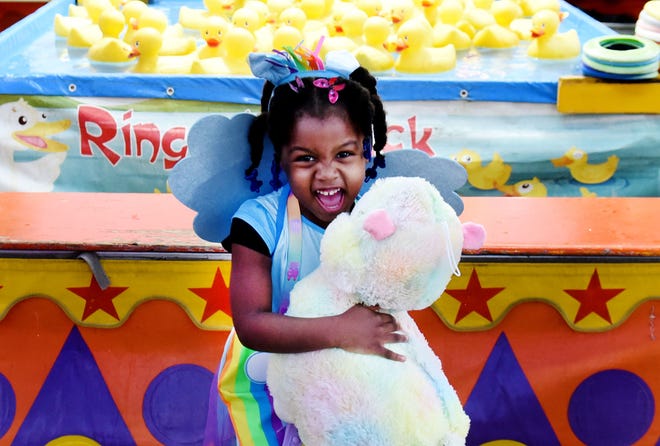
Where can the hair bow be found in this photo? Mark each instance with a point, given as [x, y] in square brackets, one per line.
[332, 85]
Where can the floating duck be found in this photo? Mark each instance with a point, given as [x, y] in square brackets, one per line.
[239, 42]
[84, 36]
[429, 9]
[499, 35]
[494, 174]
[416, 51]
[444, 34]
[399, 12]
[478, 14]
[351, 26]
[62, 25]
[23, 128]
[525, 188]
[531, 7]
[576, 160]
[146, 46]
[286, 35]
[175, 43]
[373, 54]
[547, 43]
[373, 8]
[212, 35]
[111, 49]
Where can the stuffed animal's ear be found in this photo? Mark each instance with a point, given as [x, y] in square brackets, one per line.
[379, 224]
[474, 235]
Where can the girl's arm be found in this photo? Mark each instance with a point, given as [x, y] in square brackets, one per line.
[359, 329]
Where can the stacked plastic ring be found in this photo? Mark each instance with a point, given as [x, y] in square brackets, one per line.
[621, 57]
[648, 22]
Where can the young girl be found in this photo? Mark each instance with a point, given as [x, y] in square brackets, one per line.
[324, 121]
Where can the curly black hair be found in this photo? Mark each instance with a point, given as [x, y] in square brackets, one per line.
[282, 106]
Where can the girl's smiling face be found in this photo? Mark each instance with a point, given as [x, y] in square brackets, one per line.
[325, 166]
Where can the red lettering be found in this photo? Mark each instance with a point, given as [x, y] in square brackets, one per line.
[126, 131]
[422, 143]
[147, 133]
[174, 137]
[389, 147]
[97, 126]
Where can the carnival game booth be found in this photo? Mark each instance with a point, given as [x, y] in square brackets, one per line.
[495, 111]
[114, 313]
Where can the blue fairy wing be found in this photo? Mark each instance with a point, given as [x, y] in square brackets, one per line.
[445, 174]
[211, 178]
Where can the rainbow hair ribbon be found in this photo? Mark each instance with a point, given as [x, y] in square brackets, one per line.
[286, 66]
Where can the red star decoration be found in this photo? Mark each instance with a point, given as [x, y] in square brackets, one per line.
[98, 299]
[594, 299]
[474, 298]
[216, 297]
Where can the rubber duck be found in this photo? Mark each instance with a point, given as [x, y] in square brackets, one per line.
[577, 162]
[62, 24]
[111, 49]
[525, 188]
[373, 54]
[212, 34]
[444, 34]
[285, 35]
[373, 8]
[84, 36]
[239, 42]
[276, 7]
[132, 11]
[488, 177]
[478, 14]
[547, 43]
[146, 46]
[175, 43]
[351, 27]
[315, 26]
[499, 35]
[429, 9]
[24, 128]
[416, 53]
[399, 12]
[531, 7]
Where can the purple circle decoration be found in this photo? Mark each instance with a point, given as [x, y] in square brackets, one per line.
[7, 405]
[175, 405]
[611, 407]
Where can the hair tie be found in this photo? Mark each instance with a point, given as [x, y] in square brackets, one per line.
[332, 85]
[255, 184]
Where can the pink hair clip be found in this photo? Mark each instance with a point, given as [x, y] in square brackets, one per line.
[331, 84]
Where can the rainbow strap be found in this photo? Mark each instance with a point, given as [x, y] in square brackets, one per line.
[249, 402]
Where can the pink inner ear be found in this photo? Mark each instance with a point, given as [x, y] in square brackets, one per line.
[379, 224]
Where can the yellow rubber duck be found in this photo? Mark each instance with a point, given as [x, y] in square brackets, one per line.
[373, 54]
[239, 42]
[212, 34]
[146, 46]
[285, 35]
[499, 34]
[132, 11]
[175, 42]
[111, 49]
[488, 177]
[547, 43]
[63, 24]
[416, 51]
[478, 14]
[373, 8]
[531, 7]
[577, 162]
[84, 36]
[399, 12]
[525, 188]
[350, 32]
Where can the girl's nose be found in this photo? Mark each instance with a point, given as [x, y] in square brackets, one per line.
[327, 171]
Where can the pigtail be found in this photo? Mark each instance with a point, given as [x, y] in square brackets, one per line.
[256, 135]
[378, 122]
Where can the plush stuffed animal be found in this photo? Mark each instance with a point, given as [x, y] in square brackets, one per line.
[397, 249]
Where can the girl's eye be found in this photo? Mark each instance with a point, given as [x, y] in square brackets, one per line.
[344, 154]
[304, 159]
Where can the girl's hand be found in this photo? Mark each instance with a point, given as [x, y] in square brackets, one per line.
[366, 330]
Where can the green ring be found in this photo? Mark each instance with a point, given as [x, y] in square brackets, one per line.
[619, 69]
[599, 49]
